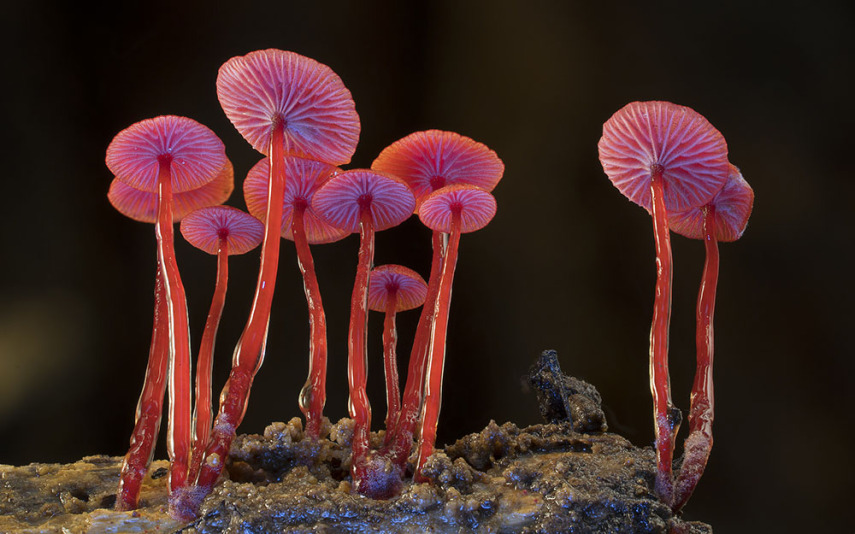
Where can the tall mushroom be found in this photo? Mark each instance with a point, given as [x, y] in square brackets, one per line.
[222, 231]
[724, 218]
[170, 154]
[301, 225]
[665, 158]
[391, 289]
[454, 210]
[282, 103]
[364, 201]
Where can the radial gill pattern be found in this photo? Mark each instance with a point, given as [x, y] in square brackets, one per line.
[303, 178]
[433, 159]
[317, 110]
[732, 205]
[691, 153]
[196, 154]
[475, 207]
[142, 205]
[339, 201]
[409, 287]
[203, 229]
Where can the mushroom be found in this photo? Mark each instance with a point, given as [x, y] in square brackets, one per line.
[170, 154]
[665, 158]
[427, 161]
[454, 209]
[724, 218]
[222, 231]
[282, 103]
[301, 225]
[364, 201]
[391, 289]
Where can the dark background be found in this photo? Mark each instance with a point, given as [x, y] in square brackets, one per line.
[566, 264]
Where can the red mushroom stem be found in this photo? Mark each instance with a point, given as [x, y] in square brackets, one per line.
[149, 408]
[249, 352]
[205, 361]
[390, 361]
[665, 414]
[699, 441]
[357, 373]
[180, 400]
[313, 395]
[436, 359]
[399, 446]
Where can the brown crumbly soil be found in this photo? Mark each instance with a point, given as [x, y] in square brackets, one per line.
[566, 476]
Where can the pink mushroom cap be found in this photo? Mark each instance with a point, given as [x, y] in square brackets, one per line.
[733, 205]
[409, 287]
[691, 153]
[196, 153]
[338, 201]
[476, 207]
[303, 178]
[317, 110]
[204, 227]
[433, 159]
[142, 205]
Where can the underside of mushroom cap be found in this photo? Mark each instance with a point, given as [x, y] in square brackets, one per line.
[642, 137]
[410, 288]
[142, 205]
[204, 227]
[303, 177]
[338, 201]
[732, 205]
[432, 159]
[196, 154]
[476, 207]
[310, 100]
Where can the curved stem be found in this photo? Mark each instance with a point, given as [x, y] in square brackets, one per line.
[436, 360]
[666, 416]
[249, 353]
[149, 408]
[357, 368]
[390, 364]
[180, 394]
[313, 396]
[699, 442]
[399, 446]
[205, 359]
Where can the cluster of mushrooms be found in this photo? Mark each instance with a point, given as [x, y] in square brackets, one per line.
[301, 117]
[298, 113]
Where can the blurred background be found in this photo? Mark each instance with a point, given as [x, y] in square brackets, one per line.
[567, 264]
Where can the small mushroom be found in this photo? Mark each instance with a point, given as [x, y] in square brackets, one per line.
[222, 231]
[391, 289]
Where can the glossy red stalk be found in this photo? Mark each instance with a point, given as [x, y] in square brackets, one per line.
[180, 395]
[666, 416]
[249, 353]
[390, 363]
[205, 359]
[700, 439]
[436, 359]
[401, 443]
[149, 408]
[313, 396]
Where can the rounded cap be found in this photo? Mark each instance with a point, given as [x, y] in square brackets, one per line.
[196, 153]
[205, 227]
[433, 159]
[303, 177]
[409, 288]
[732, 205]
[475, 207]
[691, 153]
[318, 112]
[142, 205]
[340, 200]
